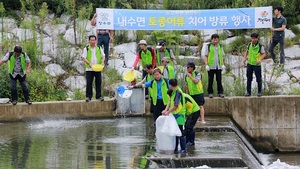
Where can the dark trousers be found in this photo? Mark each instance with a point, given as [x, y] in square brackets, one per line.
[180, 139]
[158, 108]
[189, 126]
[103, 39]
[144, 75]
[24, 85]
[211, 74]
[272, 46]
[257, 71]
[89, 84]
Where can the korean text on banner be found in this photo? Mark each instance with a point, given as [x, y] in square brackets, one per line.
[237, 18]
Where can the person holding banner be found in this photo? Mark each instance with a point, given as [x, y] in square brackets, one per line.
[104, 37]
[255, 54]
[164, 52]
[147, 56]
[279, 23]
[214, 64]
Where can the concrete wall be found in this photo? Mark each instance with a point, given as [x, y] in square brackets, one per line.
[274, 120]
[62, 109]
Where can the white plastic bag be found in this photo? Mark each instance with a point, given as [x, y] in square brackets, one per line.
[170, 126]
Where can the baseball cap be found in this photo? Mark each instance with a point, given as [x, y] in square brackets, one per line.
[165, 59]
[160, 44]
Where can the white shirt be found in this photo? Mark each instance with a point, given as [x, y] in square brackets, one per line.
[94, 58]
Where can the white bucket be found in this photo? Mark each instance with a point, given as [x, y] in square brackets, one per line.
[164, 142]
[4, 100]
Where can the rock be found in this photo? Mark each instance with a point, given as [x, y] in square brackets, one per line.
[79, 66]
[6, 35]
[70, 37]
[51, 16]
[24, 34]
[66, 19]
[298, 26]
[55, 30]
[188, 59]
[125, 48]
[292, 64]
[229, 33]
[188, 50]
[229, 40]
[206, 34]
[234, 61]
[289, 33]
[46, 59]
[117, 63]
[75, 82]
[296, 74]
[54, 70]
[292, 52]
[131, 35]
[8, 23]
[49, 46]
[187, 38]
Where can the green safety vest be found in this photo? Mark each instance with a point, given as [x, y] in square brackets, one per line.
[179, 113]
[12, 60]
[167, 54]
[164, 91]
[171, 71]
[149, 77]
[191, 105]
[211, 55]
[146, 57]
[254, 54]
[89, 55]
[194, 88]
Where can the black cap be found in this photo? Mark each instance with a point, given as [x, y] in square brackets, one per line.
[160, 44]
[18, 49]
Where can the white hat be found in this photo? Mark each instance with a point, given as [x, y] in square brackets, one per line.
[142, 42]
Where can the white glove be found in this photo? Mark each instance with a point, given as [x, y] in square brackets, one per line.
[223, 68]
[207, 67]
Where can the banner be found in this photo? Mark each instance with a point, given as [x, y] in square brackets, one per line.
[237, 18]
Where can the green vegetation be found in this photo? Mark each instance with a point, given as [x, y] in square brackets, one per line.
[45, 88]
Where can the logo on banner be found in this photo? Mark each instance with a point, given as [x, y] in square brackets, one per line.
[104, 19]
[264, 17]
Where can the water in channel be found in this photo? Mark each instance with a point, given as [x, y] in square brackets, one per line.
[109, 143]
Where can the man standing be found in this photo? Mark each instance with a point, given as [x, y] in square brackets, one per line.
[214, 62]
[279, 23]
[194, 87]
[93, 54]
[104, 37]
[163, 52]
[255, 54]
[168, 69]
[159, 88]
[17, 61]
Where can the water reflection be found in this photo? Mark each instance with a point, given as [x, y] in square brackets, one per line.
[95, 144]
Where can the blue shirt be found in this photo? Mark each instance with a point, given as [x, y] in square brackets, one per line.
[159, 83]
